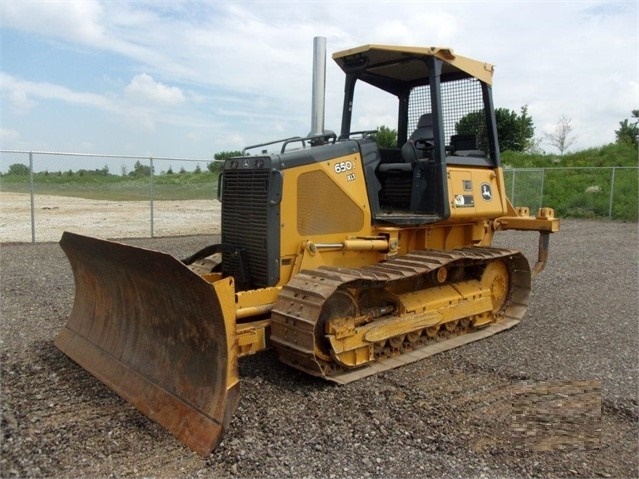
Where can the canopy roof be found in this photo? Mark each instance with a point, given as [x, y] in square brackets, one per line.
[396, 68]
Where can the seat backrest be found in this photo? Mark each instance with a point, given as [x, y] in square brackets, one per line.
[424, 128]
[424, 131]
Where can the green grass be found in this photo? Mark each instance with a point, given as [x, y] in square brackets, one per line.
[565, 189]
[614, 154]
[185, 186]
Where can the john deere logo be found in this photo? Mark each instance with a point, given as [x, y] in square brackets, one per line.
[486, 192]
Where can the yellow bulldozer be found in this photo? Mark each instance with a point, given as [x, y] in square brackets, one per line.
[344, 257]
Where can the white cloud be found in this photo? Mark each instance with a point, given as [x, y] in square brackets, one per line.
[22, 93]
[142, 103]
[77, 20]
[143, 88]
[8, 135]
[242, 70]
[237, 139]
[19, 100]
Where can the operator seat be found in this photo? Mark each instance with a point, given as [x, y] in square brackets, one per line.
[424, 132]
[404, 184]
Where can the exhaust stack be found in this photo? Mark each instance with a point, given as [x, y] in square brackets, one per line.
[319, 87]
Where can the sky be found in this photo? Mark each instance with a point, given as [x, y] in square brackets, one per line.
[189, 79]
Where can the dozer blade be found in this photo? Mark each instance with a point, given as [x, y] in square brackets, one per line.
[156, 333]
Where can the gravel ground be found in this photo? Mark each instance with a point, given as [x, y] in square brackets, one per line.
[554, 397]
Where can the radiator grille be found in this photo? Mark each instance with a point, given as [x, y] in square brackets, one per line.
[245, 220]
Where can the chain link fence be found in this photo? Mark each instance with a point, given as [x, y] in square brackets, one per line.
[43, 194]
[577, 192]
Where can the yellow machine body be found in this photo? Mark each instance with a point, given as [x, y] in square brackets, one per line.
[347, 258]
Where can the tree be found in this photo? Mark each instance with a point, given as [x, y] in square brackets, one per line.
[561, 138]
[534, 147]
[474, 123]
[515, 132]
[628, 132]
[18, 169]
[214, 166]
[386, 138]
[225, 155]
[140, 170]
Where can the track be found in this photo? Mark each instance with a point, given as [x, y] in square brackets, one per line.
[300, 312]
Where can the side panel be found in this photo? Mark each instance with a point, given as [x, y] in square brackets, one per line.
[327, 202]
[474, 193]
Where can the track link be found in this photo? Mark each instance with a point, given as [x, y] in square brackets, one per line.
[297, 329]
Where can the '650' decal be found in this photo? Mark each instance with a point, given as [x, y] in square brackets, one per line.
[343, 166]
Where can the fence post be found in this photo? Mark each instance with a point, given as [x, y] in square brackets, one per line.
[32, 194]
[151, 195]
[543, 177]
[612, 192]
[512, 187]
